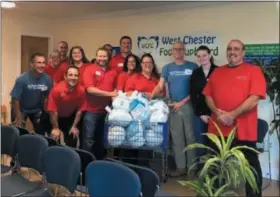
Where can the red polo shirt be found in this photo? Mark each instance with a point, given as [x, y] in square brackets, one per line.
[229, 88]
[64, 102]
[117, 63]
[59, 74]
[55, 73]
[95, 76]
[81, 72]
[122, 79]
[141, 83]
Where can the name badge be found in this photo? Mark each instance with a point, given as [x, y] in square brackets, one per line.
[120, 64]
[97, 73]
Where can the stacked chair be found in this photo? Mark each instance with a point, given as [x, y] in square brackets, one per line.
[67, 171]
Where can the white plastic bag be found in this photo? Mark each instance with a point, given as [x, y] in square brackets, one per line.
[153, 139]
[139, 110]
[116, 136]
[135, 134]
[118, 117]
[121, 101]
[158, 116]
[158, 105]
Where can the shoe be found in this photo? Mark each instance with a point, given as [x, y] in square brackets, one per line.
[178, 172]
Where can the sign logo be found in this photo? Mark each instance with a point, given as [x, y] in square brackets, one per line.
[147, 45]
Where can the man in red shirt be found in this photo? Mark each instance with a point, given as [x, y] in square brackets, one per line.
[232, 93]
[62, 47]
[118, 60]
[99, 82]
[64, 105]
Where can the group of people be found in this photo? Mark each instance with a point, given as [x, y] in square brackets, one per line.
[67, 96]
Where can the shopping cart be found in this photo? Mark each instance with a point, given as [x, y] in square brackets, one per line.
[138, 135]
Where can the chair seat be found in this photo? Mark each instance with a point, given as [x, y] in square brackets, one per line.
[163, 193]
[17, 185]
[82, 189]
[5, 169]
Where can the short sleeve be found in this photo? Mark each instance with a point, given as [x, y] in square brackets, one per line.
[52, 101]
[89, 77]
[164, 72]
[130, 84]
[17, 89]
[257, 83]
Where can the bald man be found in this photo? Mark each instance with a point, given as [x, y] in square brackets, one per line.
[177, 76]
[62, 47]
[233, 93]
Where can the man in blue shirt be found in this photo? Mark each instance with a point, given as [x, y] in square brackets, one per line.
[177, 76]
[29, 95]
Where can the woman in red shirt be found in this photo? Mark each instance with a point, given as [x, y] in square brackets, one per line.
[131, 66]
[146, 80]
[78, 58]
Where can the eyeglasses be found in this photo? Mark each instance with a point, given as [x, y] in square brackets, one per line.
[147, 63]
[178, 49]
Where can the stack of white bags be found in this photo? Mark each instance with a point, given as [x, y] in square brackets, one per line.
[133, 121]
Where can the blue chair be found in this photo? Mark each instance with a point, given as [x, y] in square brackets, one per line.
[62, 167]
[149, 178]
[9, 136]
[107, 179]
[30, 152]
[86, 158]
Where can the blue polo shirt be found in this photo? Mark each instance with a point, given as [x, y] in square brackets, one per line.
[31, 92]
[177, 77]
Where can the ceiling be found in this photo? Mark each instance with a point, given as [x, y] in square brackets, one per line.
[68, 9]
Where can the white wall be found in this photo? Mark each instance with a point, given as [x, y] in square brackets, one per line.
[251, 22]
[13, 26]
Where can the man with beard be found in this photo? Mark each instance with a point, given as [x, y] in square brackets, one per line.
[233, 93]
[30, 93]
[99, 82]
[118, 60]
[65, 102]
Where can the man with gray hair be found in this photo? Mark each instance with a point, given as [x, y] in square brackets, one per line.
[177, 76]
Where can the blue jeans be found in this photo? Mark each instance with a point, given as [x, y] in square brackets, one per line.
[93, 134]
[199, 128]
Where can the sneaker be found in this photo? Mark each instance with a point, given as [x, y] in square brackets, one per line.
[178, 172]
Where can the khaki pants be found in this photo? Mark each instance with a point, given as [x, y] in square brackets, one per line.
[182, 134]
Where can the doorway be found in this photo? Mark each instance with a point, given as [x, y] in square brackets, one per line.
[30, 45]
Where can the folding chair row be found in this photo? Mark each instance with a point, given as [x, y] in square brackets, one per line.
[29, 152]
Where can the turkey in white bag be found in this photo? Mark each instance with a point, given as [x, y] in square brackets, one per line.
[118, 117]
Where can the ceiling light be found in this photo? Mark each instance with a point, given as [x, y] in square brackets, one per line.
[8, 4]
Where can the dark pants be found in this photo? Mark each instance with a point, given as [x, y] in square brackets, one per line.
[39, 120]
[93, 134]
[200, 128]
[254, 162]
[65, 125]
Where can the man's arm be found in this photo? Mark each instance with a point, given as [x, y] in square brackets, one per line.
[54, 119]
[246, 106]
[158, 89]
[98, 92]
[77, 119]
[211, 105]
[16, 107]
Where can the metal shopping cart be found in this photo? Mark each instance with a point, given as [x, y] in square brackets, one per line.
[138, 135]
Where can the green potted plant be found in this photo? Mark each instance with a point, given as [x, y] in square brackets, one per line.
[227, 166]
